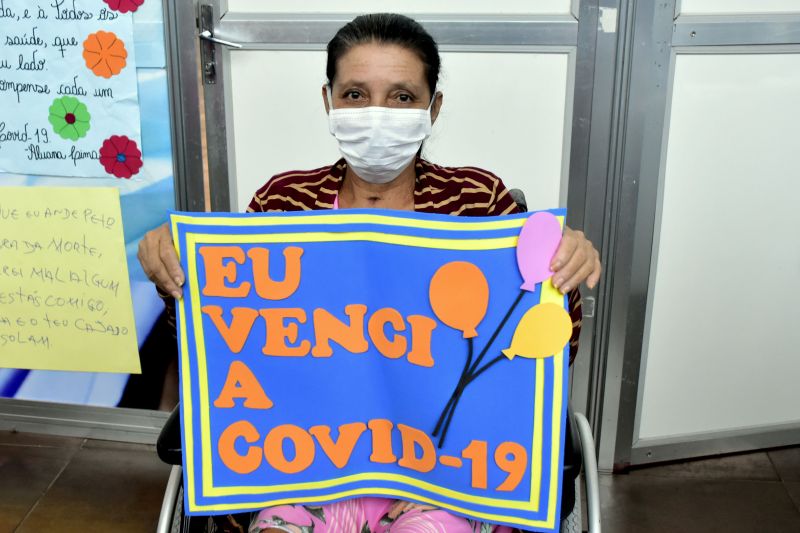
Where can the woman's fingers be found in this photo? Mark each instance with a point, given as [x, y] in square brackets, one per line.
[576, 261]
[569, 243]
[170, 260]
[160, 261]
[594, 277]
[401, 506]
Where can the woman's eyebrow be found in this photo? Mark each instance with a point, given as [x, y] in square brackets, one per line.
[408, 86]
[413, 87]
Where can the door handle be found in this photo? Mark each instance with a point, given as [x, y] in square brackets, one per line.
[208, 36]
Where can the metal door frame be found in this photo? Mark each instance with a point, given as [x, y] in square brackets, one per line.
[658, 32]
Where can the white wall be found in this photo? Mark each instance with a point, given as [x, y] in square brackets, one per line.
[545, 7]
[506, 112]
[738, 7]
[723, 345]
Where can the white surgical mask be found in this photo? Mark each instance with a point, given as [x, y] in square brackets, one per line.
[378, 142]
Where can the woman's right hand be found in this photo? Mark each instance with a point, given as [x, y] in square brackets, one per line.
[160, 261]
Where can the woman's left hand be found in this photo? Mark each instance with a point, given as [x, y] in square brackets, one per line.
[401, 506]
[576, 261]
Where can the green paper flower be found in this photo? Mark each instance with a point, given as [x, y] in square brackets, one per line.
[69, 117]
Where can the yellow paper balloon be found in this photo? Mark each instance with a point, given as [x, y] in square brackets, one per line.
[542, 331]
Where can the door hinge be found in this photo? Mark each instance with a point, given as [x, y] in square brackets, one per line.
[588, 306]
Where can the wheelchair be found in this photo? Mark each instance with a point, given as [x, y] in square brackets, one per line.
[580, 468]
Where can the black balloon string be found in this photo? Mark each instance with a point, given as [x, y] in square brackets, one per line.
[470, 373]
[467, 365]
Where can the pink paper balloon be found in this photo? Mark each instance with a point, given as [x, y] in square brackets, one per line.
[538, 242]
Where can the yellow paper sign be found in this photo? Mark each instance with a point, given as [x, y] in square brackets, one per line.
[65, 299]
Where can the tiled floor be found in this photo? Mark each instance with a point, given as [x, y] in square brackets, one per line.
[77, 485]
[756, 492]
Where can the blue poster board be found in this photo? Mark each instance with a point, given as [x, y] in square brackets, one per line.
[320, 350]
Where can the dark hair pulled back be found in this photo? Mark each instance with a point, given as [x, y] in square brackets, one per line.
[386, 28]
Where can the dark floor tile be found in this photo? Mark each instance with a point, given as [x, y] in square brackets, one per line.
[787, 463]
[649, 504]
[753, 466]
[793, 487]
[103, 489]
[25, 474]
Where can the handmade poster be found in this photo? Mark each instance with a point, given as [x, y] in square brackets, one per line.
[68, 88]
[65, 298]
[331, 355]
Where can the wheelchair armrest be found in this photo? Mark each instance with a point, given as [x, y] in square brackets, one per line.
[591, 475]
[169, 446]
[572, 448]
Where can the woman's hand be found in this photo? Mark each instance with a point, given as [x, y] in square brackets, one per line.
[401, 506]
[160, 261]
[576, 261]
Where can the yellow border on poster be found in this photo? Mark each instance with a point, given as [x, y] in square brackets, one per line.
[549, 294]
[327, 219]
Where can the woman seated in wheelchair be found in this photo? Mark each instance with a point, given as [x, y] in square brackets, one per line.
[381, 101]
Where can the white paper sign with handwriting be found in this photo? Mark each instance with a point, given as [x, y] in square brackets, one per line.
[68, 95]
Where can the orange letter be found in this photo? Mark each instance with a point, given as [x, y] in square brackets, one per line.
[242, 322]
[278, 333]
[303, 449]
[339, 452]
[329, 328]
[421, 329]
[265, 286]
[241, 464]
[377, 323]
[217, 273]
[381, 441]
[241, 383]
[412, 437]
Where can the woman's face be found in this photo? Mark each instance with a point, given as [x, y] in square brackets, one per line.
[382, 75]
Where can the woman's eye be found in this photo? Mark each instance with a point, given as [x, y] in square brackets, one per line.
[352, 95]
[405, 98]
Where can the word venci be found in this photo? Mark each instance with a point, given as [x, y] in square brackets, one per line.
[281, 323]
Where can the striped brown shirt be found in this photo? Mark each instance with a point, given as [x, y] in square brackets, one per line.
[466, 191]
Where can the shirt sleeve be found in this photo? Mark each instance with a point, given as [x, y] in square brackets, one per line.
[574, 302]
[502, 203]
[169, 304]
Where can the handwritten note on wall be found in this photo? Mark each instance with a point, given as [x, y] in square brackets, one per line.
[68, 93]
[65, 301]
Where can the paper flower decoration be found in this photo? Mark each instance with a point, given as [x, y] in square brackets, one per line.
[124, 6]
[105, 55]
[69, 118]
[120, 156]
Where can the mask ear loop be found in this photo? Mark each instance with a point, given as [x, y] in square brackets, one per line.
[433, 99]
[328, 96]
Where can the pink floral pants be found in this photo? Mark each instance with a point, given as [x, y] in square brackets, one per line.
[365, 515]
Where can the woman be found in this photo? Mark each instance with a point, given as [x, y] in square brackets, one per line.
[381, 101]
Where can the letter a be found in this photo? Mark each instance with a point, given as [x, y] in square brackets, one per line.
[241, 383]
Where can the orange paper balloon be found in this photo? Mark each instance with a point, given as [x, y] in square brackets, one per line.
[459, 295]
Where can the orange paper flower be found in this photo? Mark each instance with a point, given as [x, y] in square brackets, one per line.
[105, 55]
